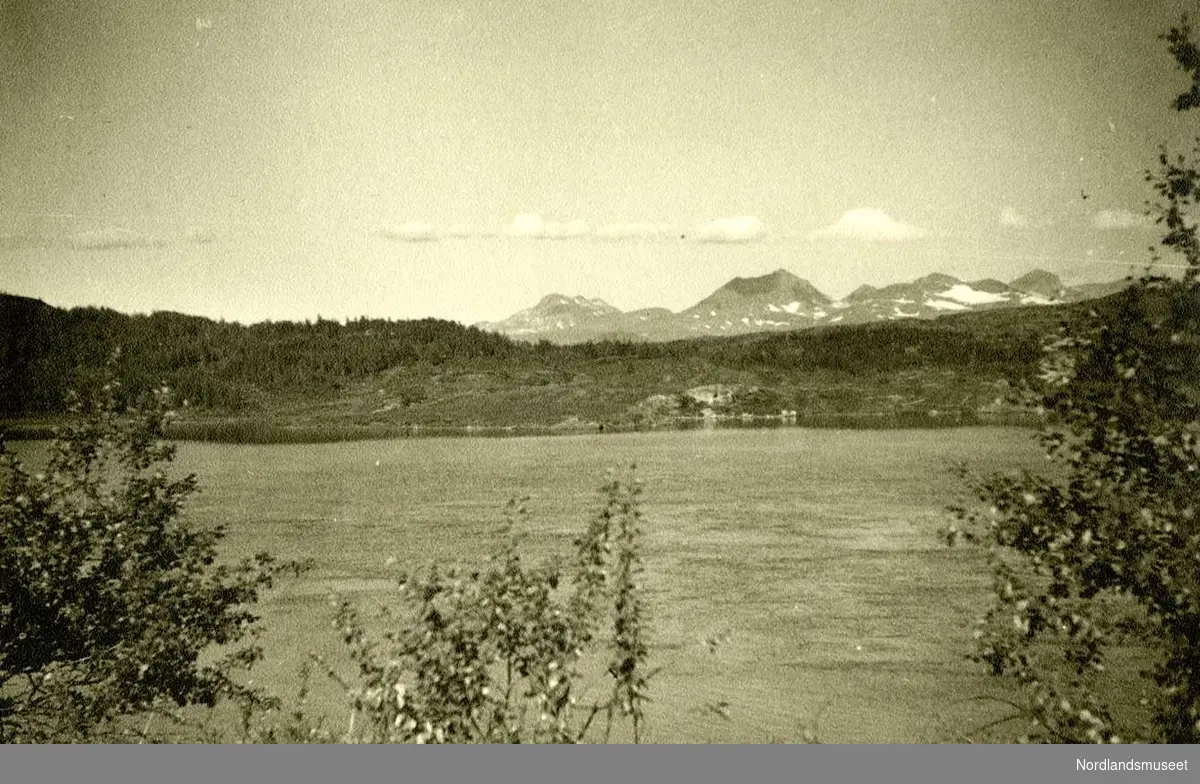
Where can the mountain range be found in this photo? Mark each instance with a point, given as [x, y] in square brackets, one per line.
[782, 301]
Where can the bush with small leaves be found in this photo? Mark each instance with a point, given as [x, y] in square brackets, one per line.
[1107, 547]
[496, 655]
[107, 599]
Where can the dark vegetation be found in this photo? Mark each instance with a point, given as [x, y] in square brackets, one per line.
[107, 600]
[370, 378]
[1101, 556]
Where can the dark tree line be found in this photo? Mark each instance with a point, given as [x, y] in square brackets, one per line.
[214, 365]
[45, 351]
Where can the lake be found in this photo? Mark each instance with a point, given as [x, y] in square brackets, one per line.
[817, 551]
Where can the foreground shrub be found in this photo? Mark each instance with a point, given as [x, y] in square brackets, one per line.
[1106, 548]
[107, 599]
[498, 655]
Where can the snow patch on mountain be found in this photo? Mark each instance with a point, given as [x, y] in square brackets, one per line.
[1035, 299]
[945, 304]
[961, 292]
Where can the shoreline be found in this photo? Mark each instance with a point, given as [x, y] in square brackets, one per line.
[246, 430]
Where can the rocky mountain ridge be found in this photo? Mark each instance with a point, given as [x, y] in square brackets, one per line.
[781, 300]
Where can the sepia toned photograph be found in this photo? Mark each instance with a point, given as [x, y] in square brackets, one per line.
[608, 372]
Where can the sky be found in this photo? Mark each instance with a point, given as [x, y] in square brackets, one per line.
[253, 160]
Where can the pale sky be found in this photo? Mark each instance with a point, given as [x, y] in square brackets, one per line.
[248, 160]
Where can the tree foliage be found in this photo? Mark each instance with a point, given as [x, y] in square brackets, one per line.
[44, 352]
[506, 653]
[1102, 552]
[107, 599]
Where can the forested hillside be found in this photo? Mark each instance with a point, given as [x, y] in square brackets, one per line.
[372, 372]
[217, 365]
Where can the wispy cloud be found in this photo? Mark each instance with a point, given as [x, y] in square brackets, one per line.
[1121, 218]
[199, 235]
[118, 238]
[21, 241]
[421, 231]
[112, 238]
[636, 231]
[868, 225]
[531, 226]
[1010, 217]
[1014, 219]
[410, 231]
[745, 228]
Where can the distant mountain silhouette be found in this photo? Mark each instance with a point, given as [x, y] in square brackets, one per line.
[1041, 283]
[781, 300]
